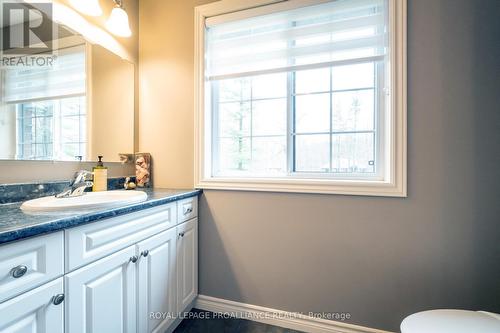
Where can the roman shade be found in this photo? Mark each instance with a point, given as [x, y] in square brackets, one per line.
[65, 78]
[304, 37]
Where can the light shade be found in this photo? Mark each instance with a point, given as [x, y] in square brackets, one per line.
[87, 7]
[118, 23]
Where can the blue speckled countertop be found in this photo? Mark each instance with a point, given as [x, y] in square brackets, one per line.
[15, 224]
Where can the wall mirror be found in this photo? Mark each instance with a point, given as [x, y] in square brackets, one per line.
[75, 107]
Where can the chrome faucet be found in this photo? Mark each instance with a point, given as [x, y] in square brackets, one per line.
[77, 185]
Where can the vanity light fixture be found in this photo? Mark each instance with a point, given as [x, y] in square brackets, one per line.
[87, 7]
[118, 21]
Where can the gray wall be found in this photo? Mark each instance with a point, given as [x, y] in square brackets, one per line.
[384, 258]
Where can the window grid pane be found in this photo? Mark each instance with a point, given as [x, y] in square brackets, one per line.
[250, 129]
[352, 111]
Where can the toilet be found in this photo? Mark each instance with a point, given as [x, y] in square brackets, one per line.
[451, 321]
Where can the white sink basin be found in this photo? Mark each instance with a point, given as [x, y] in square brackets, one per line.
[88, 201]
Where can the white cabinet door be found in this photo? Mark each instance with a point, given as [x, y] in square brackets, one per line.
[34, 311]
[102, 295]
[157, 296]
[187, 263]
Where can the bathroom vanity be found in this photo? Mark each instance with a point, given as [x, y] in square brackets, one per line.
[127, 269]
[83, 263]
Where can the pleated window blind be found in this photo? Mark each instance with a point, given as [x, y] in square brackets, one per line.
[67, 77]
[306, 37]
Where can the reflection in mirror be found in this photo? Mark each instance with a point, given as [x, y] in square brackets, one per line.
[44, 109]
[80, 106]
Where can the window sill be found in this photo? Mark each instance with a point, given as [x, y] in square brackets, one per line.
[312, 186]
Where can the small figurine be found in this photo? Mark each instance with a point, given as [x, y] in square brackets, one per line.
[143, 169]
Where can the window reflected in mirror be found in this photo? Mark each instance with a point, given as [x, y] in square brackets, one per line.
[50, 108]
[52, 130]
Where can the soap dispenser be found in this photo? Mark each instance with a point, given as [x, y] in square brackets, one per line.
[100, 176]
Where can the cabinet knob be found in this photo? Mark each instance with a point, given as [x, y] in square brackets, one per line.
[145, 253]
[181, 234]
[58, 299]
[188, 210]
[133, 259]
[18, 271]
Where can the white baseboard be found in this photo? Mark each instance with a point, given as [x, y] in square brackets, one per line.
[279, 318]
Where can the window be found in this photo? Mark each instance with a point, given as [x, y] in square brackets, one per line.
[50, 105]
[302, 97]
[52, 130]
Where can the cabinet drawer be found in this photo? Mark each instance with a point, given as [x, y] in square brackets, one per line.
[187, 209]
[90, 242]
[30, 263]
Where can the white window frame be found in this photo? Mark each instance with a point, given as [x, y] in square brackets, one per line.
[394, 183]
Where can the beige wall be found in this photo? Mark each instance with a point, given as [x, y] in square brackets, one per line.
[26, 171]
[166, 46]
[112, 105]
